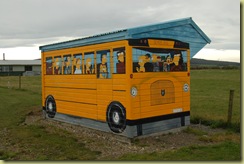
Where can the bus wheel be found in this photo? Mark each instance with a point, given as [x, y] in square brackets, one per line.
[50, 106]
[116, 117]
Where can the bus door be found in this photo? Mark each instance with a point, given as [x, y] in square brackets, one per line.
[118, 75]
[104, 82]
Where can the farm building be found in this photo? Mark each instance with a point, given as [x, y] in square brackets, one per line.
[20, 67]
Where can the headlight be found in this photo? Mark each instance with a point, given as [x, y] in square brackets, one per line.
[133, 91]
[186, 87]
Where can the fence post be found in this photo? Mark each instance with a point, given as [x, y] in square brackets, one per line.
[230, 106]
[19, 81]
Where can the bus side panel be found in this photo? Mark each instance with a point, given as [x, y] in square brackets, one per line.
[185, 79]
[71, 81]
[71, 97]
[119, 82]
[77, 109]
[186, 98]
[120, 89]
[121, 93]
[104, 97]
[43, 77]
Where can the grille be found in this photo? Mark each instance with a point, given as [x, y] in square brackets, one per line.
[162, 92]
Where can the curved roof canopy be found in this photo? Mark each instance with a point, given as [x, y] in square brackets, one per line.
[185, 30]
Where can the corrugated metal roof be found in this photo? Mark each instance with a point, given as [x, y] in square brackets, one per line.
[20, 62]
[185, 30]
[85, 38]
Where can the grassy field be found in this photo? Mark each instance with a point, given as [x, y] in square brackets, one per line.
[28, 83]
[210, 91]
[218, 152]
[33, 142]
[209, 105]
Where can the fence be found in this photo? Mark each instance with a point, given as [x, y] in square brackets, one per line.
[30, 83]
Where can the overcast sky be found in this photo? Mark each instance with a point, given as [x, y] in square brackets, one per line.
[31, 23]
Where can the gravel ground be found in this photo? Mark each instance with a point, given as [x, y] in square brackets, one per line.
[111, 146]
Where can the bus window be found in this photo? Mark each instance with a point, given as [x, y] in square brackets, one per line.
[184, 60]
[77, 64]
[89, 66]
[119, 60]
[67, 64]
[178, 61]
[49, 70]
[142, 60]
[158, 60]
[103, 64]
[57, 65]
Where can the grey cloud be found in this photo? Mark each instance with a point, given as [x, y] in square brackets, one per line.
[28, 22]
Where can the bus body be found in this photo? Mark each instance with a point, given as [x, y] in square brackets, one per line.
[130, 87]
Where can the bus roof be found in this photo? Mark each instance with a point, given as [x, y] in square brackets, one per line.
[185, 30]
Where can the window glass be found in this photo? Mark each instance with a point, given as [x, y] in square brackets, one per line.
[103, 64]
[67, 64]
[89, 65]
[57, 65]
[49, 70]
[28, 68]
[6, 68]
[10, 68]
[77, 64]
[158, 60]
[119, 60]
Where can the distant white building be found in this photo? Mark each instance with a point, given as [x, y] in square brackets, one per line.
[20, 67]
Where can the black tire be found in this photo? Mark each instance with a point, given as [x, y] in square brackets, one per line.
[116, 117]
[50, 106]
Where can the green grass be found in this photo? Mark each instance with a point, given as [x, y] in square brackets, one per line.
[15, 104]
[39, 144]
[215, 137]
[194, 131]
[33, 142]
[225, 151]
[210, 97]
[28, 83]
[209, 105]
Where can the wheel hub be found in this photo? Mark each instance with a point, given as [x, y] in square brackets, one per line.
[116, 117]
[50, 106]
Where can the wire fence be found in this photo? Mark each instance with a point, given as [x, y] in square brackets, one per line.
[30, 83]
